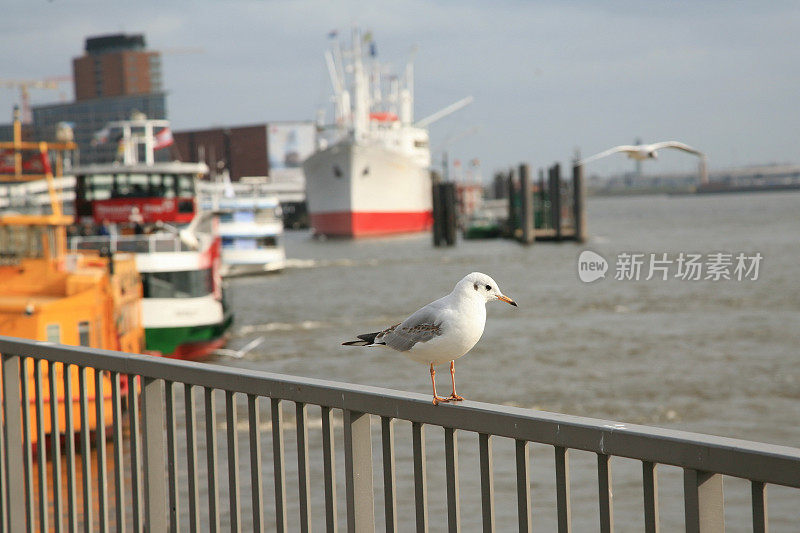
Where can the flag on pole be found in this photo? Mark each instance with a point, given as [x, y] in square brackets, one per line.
[100, 137]
[163, 139]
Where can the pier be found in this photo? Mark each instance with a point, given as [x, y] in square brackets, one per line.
[145, 490]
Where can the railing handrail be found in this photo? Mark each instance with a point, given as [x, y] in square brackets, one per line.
[751, 460]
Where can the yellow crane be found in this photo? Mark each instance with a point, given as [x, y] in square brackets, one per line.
[25, 86]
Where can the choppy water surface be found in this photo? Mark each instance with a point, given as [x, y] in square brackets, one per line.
[713, 357]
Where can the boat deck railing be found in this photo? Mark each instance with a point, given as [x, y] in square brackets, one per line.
[137, 244]
[149, 490]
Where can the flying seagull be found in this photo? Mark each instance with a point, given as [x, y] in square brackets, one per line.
[640, 152]
[443, 330]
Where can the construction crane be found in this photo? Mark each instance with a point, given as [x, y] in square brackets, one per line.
[25, 86]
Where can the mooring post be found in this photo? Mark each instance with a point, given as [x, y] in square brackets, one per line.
[526, 194]
[437, 215]
[444, 214]
[512, 206]
[450, 212]
[578, 202]
[554, 191]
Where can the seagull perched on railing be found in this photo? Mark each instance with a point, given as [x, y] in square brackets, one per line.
[443, 330]
[640, 152]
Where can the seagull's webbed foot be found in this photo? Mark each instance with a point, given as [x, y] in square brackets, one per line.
[455, 398]
[437, 399]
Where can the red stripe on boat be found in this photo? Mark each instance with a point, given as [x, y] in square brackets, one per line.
[363, 224]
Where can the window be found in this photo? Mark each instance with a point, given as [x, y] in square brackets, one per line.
[53, 333]
[84, 333]
[182, 284]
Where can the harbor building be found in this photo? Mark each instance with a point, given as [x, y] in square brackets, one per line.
[116, 77]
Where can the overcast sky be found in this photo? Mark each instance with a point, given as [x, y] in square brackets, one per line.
[547, 77]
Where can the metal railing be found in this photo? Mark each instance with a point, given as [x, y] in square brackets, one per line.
[147, 478]
[137, 244]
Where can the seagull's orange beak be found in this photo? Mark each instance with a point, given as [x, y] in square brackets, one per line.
[507, 300]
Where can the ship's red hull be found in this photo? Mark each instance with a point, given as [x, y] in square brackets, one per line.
[367, 224]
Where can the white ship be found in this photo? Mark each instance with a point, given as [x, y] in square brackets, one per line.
[370, 173]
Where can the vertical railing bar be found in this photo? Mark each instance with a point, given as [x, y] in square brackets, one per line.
[420, 477]
[41, 446]
[487, 481]
[69, 441]
[211, 460]
[119, 468]
[650, 493]
[303, 467]
[172, 458]
[358, 471]
[55, 443]
[13, 439]
[191, 457]
[758, 491]
[86, 448]
[389, 483]
[27, 446]
[604, 486]
[155, 454]
[451, 467]
[100, 444]
[329, 469]
[4, 526]
[278, 465]
[256, 490]
[231, 417]
[563, 506]
[703, 501]
[135, 453]
[523, 486]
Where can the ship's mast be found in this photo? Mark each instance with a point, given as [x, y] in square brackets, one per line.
[360, 89]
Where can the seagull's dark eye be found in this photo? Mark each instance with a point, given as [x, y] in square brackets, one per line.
[488, 287]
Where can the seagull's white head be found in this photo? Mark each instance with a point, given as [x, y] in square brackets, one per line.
[480, 285]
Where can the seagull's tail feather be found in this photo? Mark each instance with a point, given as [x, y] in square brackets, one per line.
[366, 339]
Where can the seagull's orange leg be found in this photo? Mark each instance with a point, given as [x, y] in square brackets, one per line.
[455, 397]
[436, 399]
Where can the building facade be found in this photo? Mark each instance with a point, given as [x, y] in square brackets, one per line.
[116, 65]
[115, 78]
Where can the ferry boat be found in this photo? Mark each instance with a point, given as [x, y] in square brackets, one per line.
[250, 227]
[370, 172]
[85, 299]
[149, 208]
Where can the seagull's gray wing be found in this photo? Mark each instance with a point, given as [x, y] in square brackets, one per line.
[422, 326]
[620, 148]
[677, 145]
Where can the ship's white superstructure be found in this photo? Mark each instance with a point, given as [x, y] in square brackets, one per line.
[370, 172]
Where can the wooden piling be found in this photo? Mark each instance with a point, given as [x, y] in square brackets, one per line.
[554, 192]
[512, 204]
[444, 214]
[526, 195]
[579, 202]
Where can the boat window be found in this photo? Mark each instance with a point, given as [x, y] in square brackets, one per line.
[267, 242]
[244, 216]
[84, 333]
[99, 187]
[420, 144]
[185, 186]
[20, 241]
[168, 183]
[182, 284]
[53, 333]
[225, 216]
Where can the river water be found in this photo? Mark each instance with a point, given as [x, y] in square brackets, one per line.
[717, 357]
